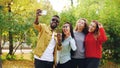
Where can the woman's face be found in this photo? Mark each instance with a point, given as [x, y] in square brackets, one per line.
[92, 27]
[81, 24]
[66, 29]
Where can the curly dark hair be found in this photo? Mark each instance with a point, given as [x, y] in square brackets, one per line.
[56, 16]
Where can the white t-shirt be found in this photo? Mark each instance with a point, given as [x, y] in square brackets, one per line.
[48, 53]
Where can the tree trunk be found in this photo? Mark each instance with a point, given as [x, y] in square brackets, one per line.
[11, 43]
[15, 49]
[10, 33]
[72, 3]
[0, 45]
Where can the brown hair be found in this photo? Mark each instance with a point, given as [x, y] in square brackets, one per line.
[71, 31]
[96, 32]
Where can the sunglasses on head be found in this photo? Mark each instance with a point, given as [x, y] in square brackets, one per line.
[55, 20]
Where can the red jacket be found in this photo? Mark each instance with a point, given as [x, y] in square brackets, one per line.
[93, 47]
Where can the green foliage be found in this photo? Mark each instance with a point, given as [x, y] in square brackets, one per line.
[3, 58]
[11, 57]
[67, 16]
[20, 20]
[106, 12]
[111, 20]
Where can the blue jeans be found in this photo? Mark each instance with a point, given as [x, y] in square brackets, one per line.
[43, 64]
[92, 62]
[77, 63]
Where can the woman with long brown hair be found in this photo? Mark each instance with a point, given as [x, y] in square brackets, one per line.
[68, 43]
[93, 44]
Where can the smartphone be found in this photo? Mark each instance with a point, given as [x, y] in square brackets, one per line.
[44, 12]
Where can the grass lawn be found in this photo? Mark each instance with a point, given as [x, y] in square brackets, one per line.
[25, 61]
[18, 64]
[110, 65]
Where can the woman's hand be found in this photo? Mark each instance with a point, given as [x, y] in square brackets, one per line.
[100, 25]
[59, 38]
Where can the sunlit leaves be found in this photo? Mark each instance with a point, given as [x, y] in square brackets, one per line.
[20, 20]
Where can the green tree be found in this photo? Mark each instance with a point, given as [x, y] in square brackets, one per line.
[17, 19]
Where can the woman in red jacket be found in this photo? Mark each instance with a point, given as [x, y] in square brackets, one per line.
[93, 44]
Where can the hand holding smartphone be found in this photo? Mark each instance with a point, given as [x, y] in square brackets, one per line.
[41, 12]
[44, 12]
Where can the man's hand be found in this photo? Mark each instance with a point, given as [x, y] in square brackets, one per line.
[38, 12]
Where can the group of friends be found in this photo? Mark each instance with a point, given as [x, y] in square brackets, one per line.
[80, 47]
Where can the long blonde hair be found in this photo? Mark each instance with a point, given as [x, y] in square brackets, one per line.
[85, 30]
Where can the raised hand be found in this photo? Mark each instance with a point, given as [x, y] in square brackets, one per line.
[38, 12]
[100, 25]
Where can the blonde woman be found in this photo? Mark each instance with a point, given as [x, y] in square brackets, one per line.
[78, 58]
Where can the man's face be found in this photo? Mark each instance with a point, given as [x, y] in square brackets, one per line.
[54, 22]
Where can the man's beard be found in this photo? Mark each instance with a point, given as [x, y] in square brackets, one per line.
[53, 26]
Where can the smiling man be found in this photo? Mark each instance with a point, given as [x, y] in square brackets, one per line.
[45, 51]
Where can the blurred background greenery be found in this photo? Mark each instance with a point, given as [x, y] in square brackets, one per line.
[17, 17]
